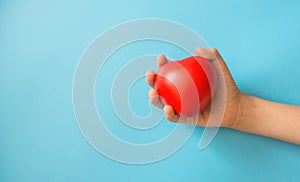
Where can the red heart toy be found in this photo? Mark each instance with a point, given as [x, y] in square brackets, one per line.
[187, 85]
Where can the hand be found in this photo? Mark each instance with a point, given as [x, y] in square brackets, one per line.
[242, 112]
[230, 91]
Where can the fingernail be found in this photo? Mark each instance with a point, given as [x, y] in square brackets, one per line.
[200, 49]
[165, 108]
[205, 53]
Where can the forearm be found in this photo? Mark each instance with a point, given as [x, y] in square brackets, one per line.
[269, 119]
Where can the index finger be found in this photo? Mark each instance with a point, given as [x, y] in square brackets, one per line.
[161, 59]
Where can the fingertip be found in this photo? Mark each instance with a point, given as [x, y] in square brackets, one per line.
[170, 114]
[206, 53]
[167, 109]
[214, 50]
[152, 93]
[150, 77]
[161, 59]
[150, 72]
[198, 49]
[154, 98]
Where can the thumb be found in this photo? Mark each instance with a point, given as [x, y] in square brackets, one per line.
[213, 55]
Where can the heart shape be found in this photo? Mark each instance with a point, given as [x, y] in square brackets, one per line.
[187, 85]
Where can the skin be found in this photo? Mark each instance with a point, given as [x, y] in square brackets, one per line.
[242, 112]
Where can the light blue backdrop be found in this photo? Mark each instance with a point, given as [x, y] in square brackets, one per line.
[40, 45]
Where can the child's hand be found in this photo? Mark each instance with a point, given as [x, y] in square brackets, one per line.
[231, 93]
[242, 112]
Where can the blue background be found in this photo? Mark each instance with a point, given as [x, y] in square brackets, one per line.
[40, 46]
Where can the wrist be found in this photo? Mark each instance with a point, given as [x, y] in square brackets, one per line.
[242, 115]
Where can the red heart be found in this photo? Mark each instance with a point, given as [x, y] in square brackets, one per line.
[187, 85]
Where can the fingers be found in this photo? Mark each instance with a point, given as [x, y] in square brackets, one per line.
[215, 57]
[219, 62]
[155, 99]
[169, 111]
[161, 59]
[170, 114]
[173, 117]
[150, 78]
[201, 120]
